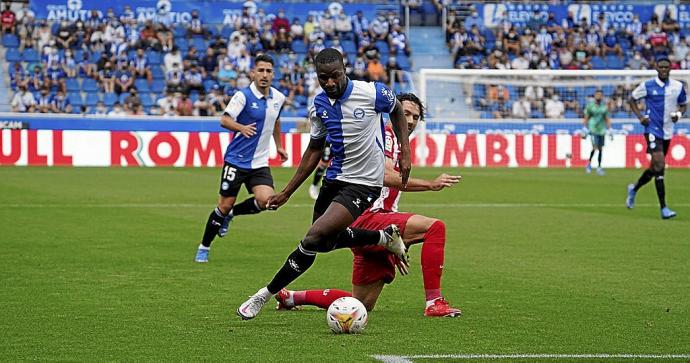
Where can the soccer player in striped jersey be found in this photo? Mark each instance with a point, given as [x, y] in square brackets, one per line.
[374, 266]
[253, 115]
[666, 102]
[349, 113]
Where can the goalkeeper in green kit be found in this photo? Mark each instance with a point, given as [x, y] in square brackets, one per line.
[597, 125]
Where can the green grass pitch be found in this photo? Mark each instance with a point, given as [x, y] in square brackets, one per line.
[97, 265]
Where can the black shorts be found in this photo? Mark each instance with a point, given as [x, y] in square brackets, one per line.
[355, 198]
[598, 140]
[655, 144]
[232, 178]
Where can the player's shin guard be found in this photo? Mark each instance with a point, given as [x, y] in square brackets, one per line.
[215, 219]
[357, 237]
[646, 176]
[296, 264]
[660, 188]
[319, 298]
[433, 253]
[249, 206]
[601, 152]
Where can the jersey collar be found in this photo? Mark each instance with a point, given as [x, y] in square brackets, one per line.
[257, 93]
[659, 82]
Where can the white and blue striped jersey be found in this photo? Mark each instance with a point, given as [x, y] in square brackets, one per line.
[355, 128]
[661, 100]
[249, 106]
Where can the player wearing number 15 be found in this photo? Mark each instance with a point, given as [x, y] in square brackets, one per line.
[253, 115]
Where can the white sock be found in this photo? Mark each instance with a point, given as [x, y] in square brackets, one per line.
[383, 238]
[431, 302]
[202, 247]
[264, 292]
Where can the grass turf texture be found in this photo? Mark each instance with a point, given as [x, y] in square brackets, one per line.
[97, 264]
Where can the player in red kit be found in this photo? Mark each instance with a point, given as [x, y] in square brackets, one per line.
[374, 266]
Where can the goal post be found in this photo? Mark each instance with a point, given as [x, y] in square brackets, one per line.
[550, 103]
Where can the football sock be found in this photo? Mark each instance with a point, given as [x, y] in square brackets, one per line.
[320, 298]
[644, 179]
[318, 175]
[296, 264]
[660, 189]
[212, 226]
[430, 302]
[433, 252]
[591, 155]
[357, 237]
[599, 157]
[248, 206]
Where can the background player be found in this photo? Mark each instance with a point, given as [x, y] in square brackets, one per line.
[374, 266]
[666, 102]
[349, 112]
[253, 114]
[320, 171]
[598, 124]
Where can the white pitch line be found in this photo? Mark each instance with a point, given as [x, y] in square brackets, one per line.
[414, 205]
[409, 358]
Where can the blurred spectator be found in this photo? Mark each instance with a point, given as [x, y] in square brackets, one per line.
[327, 25]
[23, 101]
[148, 37]
[36, 80]
[164, 36]
[106, 78]
[218, 43]
[132, 101]
[217, 99]
[316, 34]
[43, 103]
[65, 35]
[511, 41]
[174, 78]
[124, 80]
[42, 35]
[202, 107]
[69, 64]
[193, 80]
[140, 67]
[117, 110]
[668, 24]
[171, 58]
[18, 76]
[554, 107]
[243, 80]
[360, 25]
[236, 47]
[283, 43]
[378, 29]
[209, 64]
[393, 70]
[8, 20]
[376, 72]
[398, 41]
[296, 29]
[55, 76]
[309, 27]
[611, 43]
[60, 103]
[521, 108]
[359, 69]
[168, 101]
[192, 57]
[196, 26]
[185, 106]
[280, 22]
[100, 109]
[637, 62]
[343, 25]
[474, 20]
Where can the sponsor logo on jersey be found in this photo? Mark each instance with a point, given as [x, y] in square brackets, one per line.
[254, 105]
[324, 114]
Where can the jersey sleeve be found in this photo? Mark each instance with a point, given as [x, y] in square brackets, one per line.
[587, 111]
[640, 91]
[682, 97]
[236, 105]
[385, 98]
[390, 144]
[318, 130]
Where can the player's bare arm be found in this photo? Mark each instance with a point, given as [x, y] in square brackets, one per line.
[679, 114]
[310, 160]
[246, 130]
[279, 142]
[644, 120]
[399, 123]
[391, 179]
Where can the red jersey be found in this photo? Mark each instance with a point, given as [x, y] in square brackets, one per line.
[388, 200]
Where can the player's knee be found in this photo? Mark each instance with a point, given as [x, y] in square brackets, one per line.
[317, 241]
[437, 228]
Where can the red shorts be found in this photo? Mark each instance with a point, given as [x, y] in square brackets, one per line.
[374, 263]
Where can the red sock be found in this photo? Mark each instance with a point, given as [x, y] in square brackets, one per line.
[432, 259]
[320, 298]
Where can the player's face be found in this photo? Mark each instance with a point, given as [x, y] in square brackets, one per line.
[663, 68]
[263, 74]
[598, 96]
[332, 79]
[412, 115]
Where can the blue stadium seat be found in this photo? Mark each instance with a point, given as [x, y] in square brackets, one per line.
[226, 32]
[147, 100]
[157, 73]
[571, 114]
[30, 55]
[608, 90]
[614, 62]
[179, 32]
[621, 114]
[382, 45]
[78, 54]
[182, 44]
[10, 41]
[298, 46]
[158, 86]
[598, 63]
[13, 55]
[142, 85]
[154, 58]
[403, 62]
[199, 44]
[72, 85]
[109, 99]
[95, 56]
[75, 99]
[589, 91]
[122, 97]
[485, 115]
[349, 46]
[536, 114]
[89, 85]
[92, 99]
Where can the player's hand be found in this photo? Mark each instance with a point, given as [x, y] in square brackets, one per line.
[610, 133]
[404, 268]
[283, 154]
[405, 165]
[675, 116]
[644, 120]
[277, 200]
[248, 130]
[445, 181]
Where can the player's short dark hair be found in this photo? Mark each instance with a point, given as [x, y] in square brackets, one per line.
[328, 56]
[414, 99]
[263, 58]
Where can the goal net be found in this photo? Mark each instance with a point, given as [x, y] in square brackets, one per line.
[532, 118]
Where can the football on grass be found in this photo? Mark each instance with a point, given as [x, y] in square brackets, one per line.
[347, 315]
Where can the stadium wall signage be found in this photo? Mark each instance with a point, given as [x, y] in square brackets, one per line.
[195, 149]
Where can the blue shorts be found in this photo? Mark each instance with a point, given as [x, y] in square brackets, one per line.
[598, 140]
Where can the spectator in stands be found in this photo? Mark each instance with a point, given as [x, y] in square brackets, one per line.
[36, 80]
[8, 20]
[592, 41]
[637, 62]
[327, 24]
[280, 22]
[500, 109]
[18, 76]
[335, 44]
[544, 40]
[668, 24]
[100, 109]
[343, 25]
[25, 14]
[69, 64]
[681, 49]
[139, 66]
[217, 99]
[397, 41]
[359, 69]
[554, 107]
[243, 81]
[202, 107]
[308, 28]
[55, 76]
[474, 20]
[394, 71]
[174, 78]
[44, 101]
[23, 101]
[192, 57]
[376, 71]
[65, 35]
[164, 36]
[124, 80]
[658, 39]
[360, 25]
[25, 32]
[316, 34]
[315, 47]
[171, 58]
[42, 35]
[196, 26]
[185, 106]
[511, 41]
[378, 29]
[226, 73]
[453, 24]
[60, 103]
[496, 92]
[117, 110]
[521, 108]
[106, 78]
[168, 101]
[611, 43]
[193, 80]
[209, 64]
[148, 38]
[475, 44]
[283, 43]
[114, 37]
[132, 101]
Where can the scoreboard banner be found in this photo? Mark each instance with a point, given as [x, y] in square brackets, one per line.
[105, 148]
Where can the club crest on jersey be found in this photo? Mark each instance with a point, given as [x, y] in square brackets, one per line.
[276, 107]
[654, 92]
[358, 114]
[254, 105]
[324, 114]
